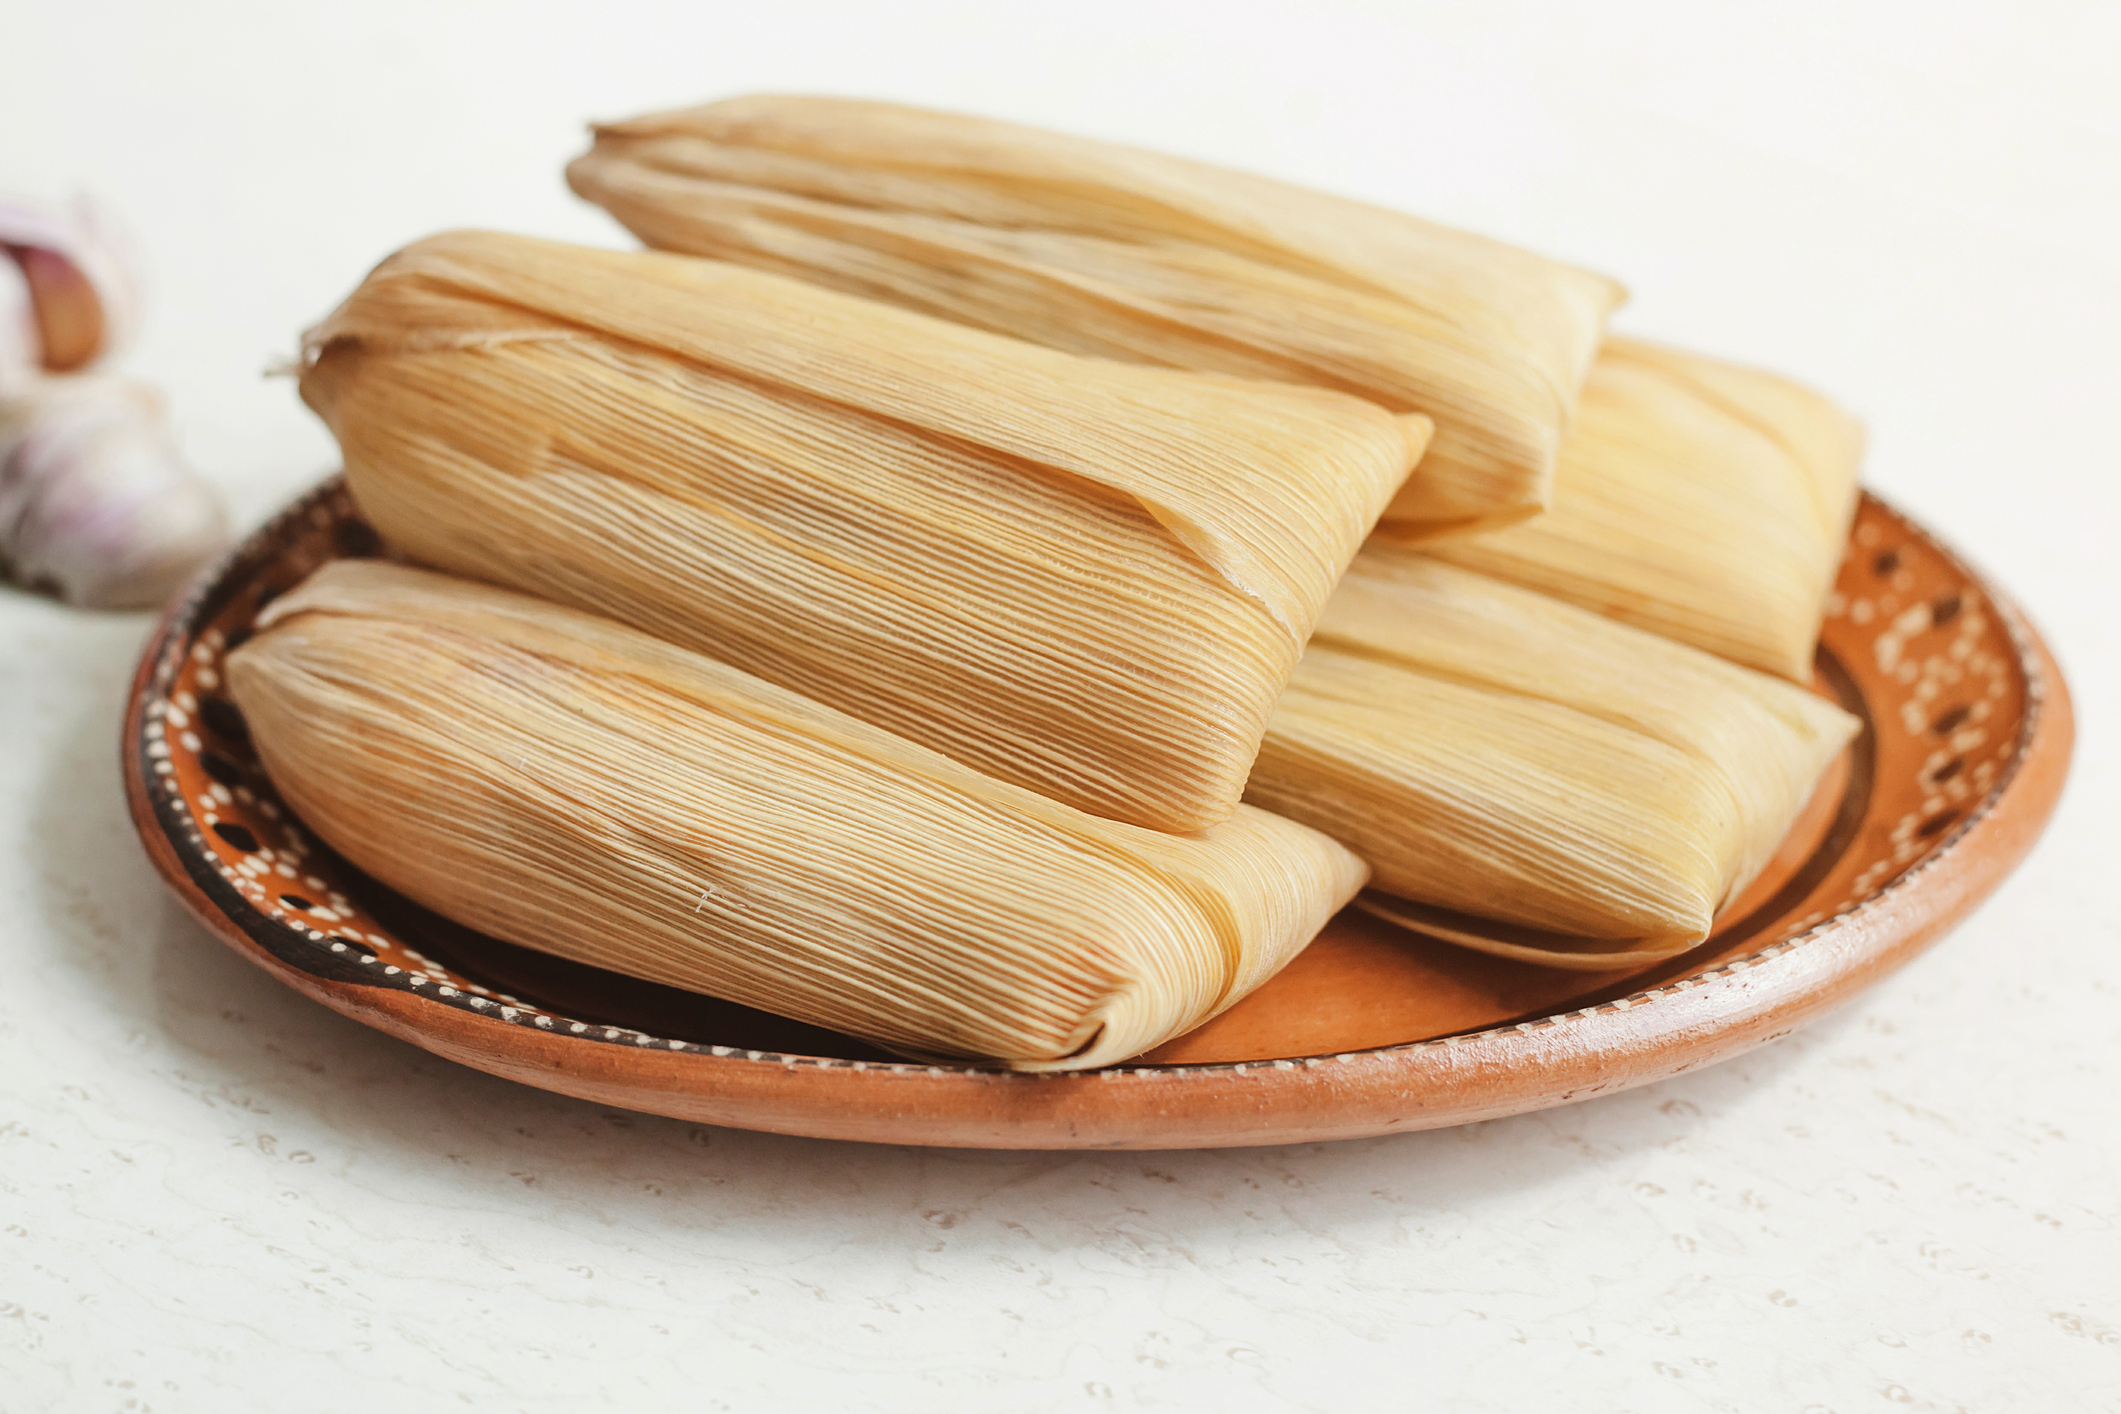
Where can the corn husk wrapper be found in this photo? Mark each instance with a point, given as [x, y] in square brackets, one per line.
[1696, 499]
[1081, 576]
[1532, 779]
[1108, 250]
[571, 785]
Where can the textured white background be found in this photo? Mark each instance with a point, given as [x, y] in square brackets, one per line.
[216, 1196]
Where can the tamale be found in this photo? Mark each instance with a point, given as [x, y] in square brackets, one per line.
[569, 784]
[1082, 576]
[1701, 501]
[1530, 778]
[1108, 250]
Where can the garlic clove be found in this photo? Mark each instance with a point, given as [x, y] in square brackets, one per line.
[96, 506]
[84, 283]
[70, 322]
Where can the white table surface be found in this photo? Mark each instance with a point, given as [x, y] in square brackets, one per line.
[215, 1195]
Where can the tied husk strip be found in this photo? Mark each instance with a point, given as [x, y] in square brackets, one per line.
[1698, 500]
[1106, 250]
[1082, 576]
[1509, 758]
[568, 784]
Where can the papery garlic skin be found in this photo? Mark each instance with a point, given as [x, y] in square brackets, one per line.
[21, 351]
[95, 503]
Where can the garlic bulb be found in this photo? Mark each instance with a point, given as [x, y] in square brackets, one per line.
[95, 504]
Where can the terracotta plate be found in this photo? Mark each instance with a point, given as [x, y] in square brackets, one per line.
[1370, 1030]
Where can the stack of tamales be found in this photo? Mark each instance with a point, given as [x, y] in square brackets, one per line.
[874, 608]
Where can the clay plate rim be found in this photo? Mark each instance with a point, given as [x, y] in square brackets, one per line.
[1503, 1070]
